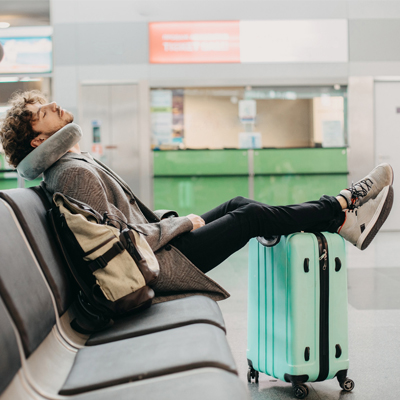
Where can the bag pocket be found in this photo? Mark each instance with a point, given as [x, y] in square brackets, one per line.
[142, 254]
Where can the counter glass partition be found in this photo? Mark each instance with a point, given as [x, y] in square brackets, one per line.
[249, 117]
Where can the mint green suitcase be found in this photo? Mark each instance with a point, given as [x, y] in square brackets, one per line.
[297, 310]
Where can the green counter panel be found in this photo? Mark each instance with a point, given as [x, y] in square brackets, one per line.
[200, 162]
[300, 161]
[292, 189]
[13, 183]
[196, 195]
[184, 182]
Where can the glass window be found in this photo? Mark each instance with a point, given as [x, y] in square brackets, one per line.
[249, 117]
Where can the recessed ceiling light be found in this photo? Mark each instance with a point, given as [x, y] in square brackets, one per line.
[27, 79]
[4, 25]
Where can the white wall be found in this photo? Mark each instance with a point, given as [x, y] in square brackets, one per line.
[108, 41]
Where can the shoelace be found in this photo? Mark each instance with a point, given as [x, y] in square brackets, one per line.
[358, 190]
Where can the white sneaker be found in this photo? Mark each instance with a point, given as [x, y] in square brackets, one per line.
[363, 223]
[368, 187]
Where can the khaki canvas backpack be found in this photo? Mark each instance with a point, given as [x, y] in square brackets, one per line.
[111, 261]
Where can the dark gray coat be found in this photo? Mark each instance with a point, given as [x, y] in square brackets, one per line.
[90, 181]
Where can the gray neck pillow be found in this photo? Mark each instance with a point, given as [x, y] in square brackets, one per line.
[50, 151]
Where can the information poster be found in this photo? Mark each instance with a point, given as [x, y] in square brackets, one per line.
[167, 117]
[250, 140]
[161, 117]
[26, 55]
[247, 111]
[177, 116]
[332, 134]
[193, 42]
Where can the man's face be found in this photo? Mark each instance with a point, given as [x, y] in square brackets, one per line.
[47, 120]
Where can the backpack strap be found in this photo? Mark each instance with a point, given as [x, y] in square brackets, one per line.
[104, 259]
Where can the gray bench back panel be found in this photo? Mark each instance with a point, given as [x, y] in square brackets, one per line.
[10, 361]
[30, 209]
[22, 286]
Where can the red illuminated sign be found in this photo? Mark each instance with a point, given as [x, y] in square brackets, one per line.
[194, 42]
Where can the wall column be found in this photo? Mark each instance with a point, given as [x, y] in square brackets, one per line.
[361, 156]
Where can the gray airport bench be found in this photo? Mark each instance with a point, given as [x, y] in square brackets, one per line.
[173, 350]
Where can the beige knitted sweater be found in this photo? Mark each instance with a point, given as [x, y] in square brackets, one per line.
[90, 181]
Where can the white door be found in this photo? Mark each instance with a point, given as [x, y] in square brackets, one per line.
[387, 139]
[113, 109]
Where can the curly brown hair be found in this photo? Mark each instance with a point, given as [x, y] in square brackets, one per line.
[16, 133]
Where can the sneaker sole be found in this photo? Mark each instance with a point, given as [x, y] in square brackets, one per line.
[392, 174]
[377, 220]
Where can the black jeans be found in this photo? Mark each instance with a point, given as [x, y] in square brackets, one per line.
[232, 224]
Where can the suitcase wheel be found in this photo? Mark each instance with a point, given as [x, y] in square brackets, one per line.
[252, 374]
[300, 391]
[347, 385]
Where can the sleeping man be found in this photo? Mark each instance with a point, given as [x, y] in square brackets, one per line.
[189, 246]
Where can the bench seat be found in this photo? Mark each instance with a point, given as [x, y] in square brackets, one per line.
[176, 349]
[16, 376]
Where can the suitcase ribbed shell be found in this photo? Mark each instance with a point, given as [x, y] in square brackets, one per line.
[284, 306]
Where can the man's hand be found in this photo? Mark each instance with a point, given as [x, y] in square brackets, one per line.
[197, 221]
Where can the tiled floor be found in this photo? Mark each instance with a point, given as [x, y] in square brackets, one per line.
[374, 324]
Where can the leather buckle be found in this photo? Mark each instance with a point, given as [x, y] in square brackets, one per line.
[120, 246]
[101, 262]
